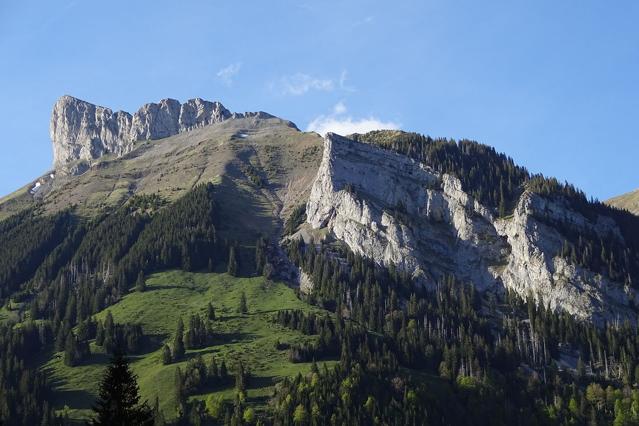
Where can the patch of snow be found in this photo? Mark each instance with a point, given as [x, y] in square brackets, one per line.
[35, 187]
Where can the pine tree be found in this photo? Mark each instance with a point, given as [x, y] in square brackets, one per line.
[211, 312]
[260, 256]
[232, 265]
[83, 330]
[109, 326]
[502, 200]
[178, 342]
[158, 417]
[223, 371]
[33, 311]
[240, 378]
[119, 399]
[242, 308]
[180, 396]
[61, 338]
[99, 334]
[212, 369]
[70, 351]
[140, 284]
[300, 416]
[166, 355]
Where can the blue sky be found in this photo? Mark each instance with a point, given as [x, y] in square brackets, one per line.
[553, 84]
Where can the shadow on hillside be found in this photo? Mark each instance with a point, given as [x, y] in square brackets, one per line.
[78, 399]
[214, 350]
[260, 400]
[100, 358]
[233, 337]
[244, 213]
[187, 286]
[258, 382]
[226, 317]
[253, 383]
[150, 343]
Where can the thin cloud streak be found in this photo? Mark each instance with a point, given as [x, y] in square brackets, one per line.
[228, 73]
[300, 84]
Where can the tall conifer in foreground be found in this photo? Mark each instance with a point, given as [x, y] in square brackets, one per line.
[118, 403]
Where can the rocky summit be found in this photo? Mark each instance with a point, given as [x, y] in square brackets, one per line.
[81, 131]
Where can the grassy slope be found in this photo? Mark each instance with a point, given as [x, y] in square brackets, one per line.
[629, 201]
[283, 157]
[15, 202]
[173, 294]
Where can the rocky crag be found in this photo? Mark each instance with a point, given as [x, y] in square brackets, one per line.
[81, 131]
[397, 211]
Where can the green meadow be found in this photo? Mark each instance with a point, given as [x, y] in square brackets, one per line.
[251, 337]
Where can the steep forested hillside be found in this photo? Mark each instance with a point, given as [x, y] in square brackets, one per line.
[497, 182]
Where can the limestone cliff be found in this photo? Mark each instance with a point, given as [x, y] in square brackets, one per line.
[395, 210]
[80, 130]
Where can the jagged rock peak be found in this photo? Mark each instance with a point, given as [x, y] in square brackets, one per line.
[81, 130]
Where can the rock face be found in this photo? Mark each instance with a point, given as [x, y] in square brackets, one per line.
[535, 268]
[82, 131]
[397, 211]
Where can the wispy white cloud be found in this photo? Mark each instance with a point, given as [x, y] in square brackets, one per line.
[342, 124]
[300, 83]
[342, 82]
[228, 73]
[365, 21]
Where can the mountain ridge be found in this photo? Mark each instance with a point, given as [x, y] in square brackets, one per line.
[83, 132]
[408, 261]
[429, 207]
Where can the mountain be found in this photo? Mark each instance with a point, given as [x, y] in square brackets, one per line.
[385, 277]
[82, 132]
[253, 144]
[629, 201]
[397, 211]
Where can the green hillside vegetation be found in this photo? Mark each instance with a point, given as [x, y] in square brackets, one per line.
[171, 295]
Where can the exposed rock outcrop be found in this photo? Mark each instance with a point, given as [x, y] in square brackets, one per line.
[535, 268]
[395, 210]
[80, 130]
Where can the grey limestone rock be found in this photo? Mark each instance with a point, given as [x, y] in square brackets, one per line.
[397, 211]
[82, 131]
